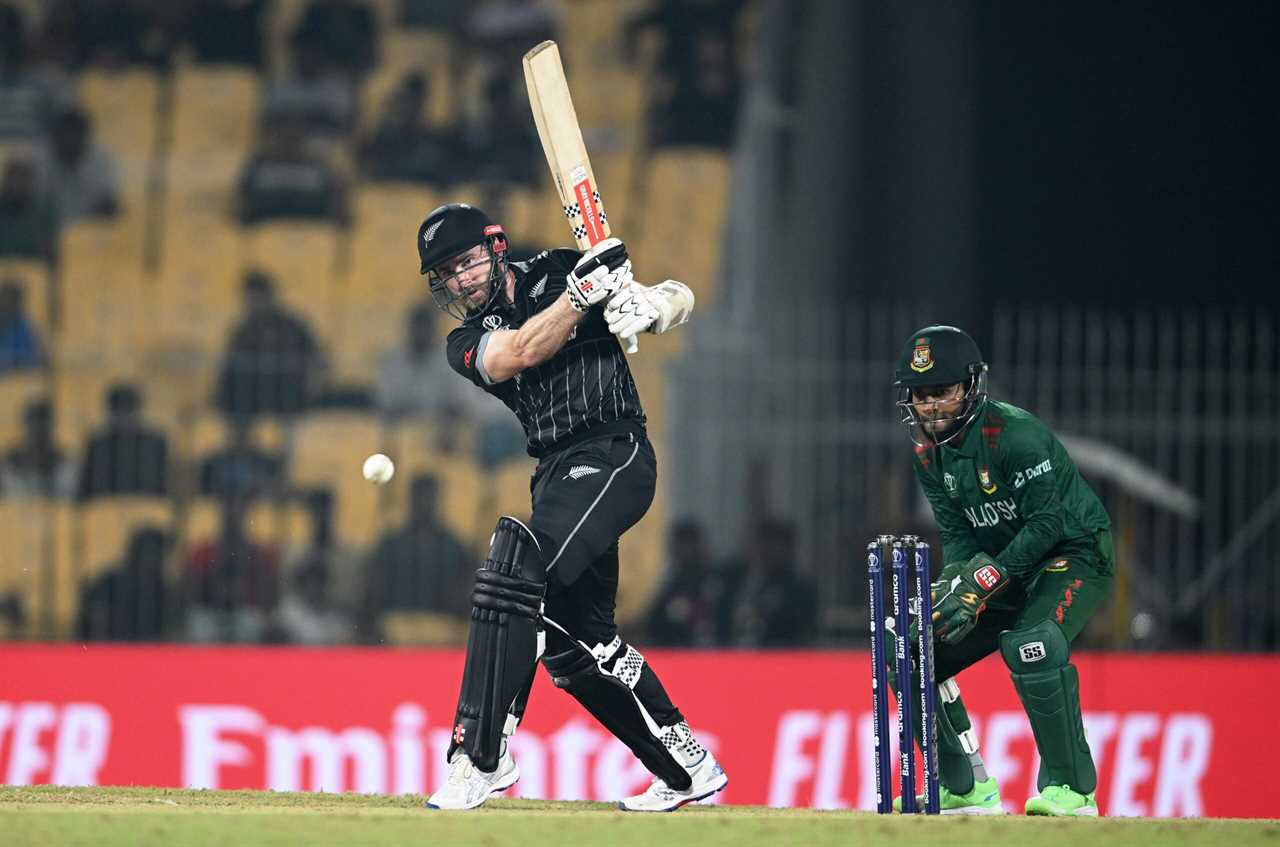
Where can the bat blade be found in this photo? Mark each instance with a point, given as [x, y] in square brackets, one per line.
[561, 136]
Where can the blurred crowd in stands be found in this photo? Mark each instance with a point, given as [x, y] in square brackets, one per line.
[313, 146]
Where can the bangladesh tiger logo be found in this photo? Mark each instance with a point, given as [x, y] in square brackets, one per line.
[921, 356]
[984, 479]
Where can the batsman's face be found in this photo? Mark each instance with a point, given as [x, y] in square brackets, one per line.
[467, 275]
[938, 406]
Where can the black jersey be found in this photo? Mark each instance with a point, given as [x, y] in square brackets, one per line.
[586, 386]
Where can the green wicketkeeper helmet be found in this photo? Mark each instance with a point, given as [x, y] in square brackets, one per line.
[940, 355]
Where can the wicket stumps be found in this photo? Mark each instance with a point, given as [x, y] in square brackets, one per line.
[899, 547]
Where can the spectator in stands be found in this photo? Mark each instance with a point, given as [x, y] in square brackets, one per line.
[493, 148]
[112, 33]
[414, 382]
[36, 466]
[422, 565]
[28, 218]
[695, 94]
[499, 32]
[241, 468]
[28, 100]
[125, 456]
[20, 346]
[343, 34]
[283, 180]
[307, 615]
[678, 24]
[448, 20]
[320, 100]
[232, 582]
[226, 31]
[691, 608]
[447, 17]
[273, 364]
[698, 105]
[342, 566]
[402, 146]
[82, 175]
[132, 601]
[773, 604]
[13, 616]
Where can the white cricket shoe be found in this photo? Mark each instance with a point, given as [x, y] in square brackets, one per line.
[708, 778]
[468, 786]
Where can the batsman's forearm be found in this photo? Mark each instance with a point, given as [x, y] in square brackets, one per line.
[546, 332]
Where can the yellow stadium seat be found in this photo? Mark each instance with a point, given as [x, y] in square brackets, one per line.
[383, 280]
[207, 433]
[106, 324]
[422, 445]
[214, 120]
[104, 247]
[424, 629]
[687, 193]
[123, 107]
[466, 497]
[328, 449]
[283, 526]
[35, 563]
[403, 51]
[107, 313]
[103, 527]
[33, 277]
[512, 486]
[302, 259]
[200, 290]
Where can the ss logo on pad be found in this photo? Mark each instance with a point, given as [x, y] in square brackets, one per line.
[1032, 652]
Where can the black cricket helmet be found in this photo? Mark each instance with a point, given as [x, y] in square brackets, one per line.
[448, 232]
[940, 356]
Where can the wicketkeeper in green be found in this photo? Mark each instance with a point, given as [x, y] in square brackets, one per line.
[1027, 559]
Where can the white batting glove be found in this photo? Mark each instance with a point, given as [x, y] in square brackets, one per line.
[629, 312]
[592, 280]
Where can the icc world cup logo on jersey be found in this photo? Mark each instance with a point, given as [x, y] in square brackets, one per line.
[921, 356]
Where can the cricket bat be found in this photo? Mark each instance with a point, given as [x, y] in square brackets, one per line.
[561, 136]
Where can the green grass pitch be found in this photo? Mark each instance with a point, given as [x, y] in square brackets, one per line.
[107, 817]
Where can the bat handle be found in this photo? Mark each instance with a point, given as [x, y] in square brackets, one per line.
[629, 342]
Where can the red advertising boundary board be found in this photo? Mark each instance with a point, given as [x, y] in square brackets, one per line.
[1173, 734]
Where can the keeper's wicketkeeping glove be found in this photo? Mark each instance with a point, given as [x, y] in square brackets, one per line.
[958, 602]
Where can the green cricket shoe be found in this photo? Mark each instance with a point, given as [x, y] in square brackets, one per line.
[1060, 801]
[984, 799]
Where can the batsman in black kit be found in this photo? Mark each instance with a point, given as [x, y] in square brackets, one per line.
[542, 336]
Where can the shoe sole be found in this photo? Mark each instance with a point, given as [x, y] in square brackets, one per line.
[1082, 812]
[975, 810]
[492, 791]
[682, 803]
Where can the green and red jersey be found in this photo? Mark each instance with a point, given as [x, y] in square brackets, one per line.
[1007, 488]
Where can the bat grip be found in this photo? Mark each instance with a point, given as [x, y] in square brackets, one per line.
[612, 259]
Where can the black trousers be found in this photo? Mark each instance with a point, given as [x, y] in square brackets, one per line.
[584, 498]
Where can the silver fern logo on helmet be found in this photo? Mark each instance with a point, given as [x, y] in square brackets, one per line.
[431, 233]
